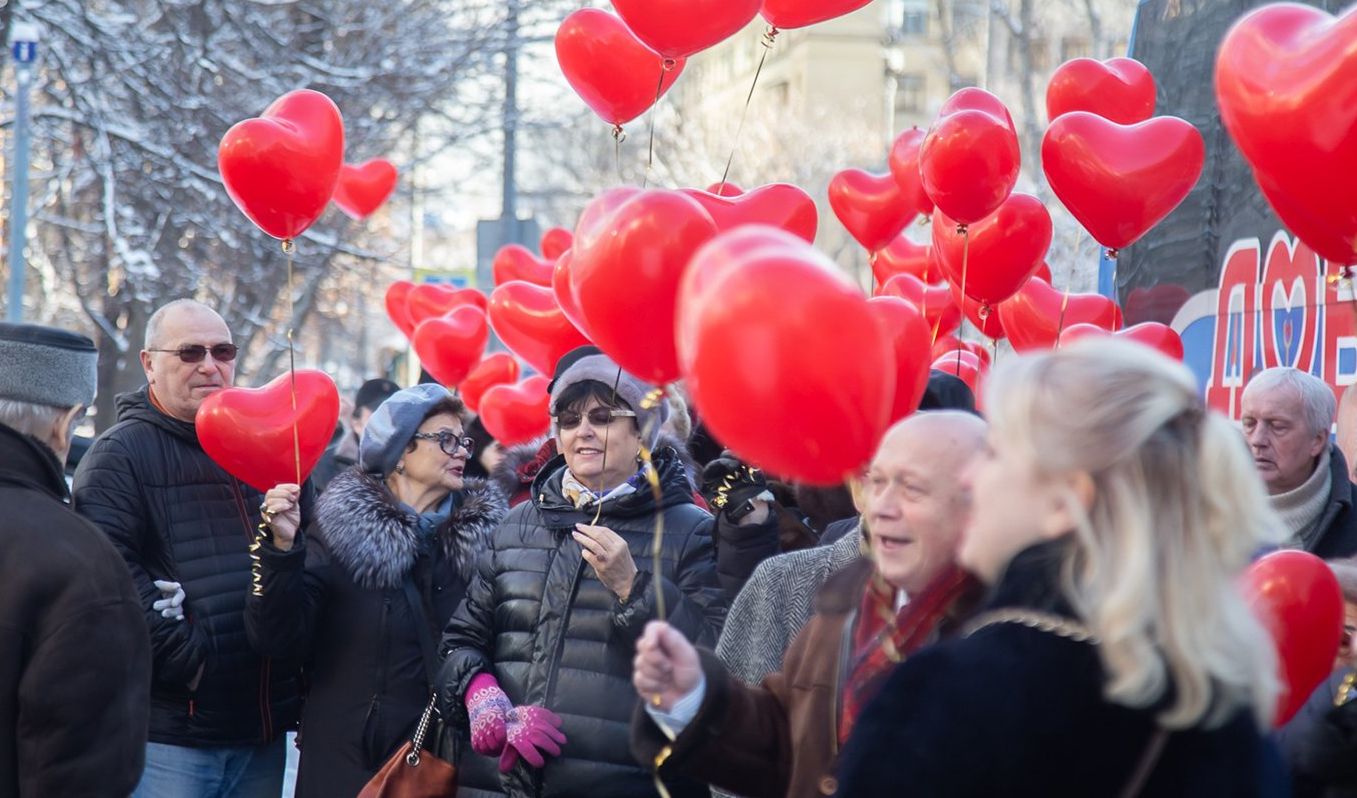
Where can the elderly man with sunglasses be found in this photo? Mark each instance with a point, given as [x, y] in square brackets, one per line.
[184, 526]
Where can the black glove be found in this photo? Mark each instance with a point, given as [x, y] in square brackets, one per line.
[729, 486]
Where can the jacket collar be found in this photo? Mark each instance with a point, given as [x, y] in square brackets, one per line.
[138, 406]
[1032, 580]
[26, 461]
[675, 485]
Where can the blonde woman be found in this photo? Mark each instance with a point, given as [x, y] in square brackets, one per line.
[1111, 516]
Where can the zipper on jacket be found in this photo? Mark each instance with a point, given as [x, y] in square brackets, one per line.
[265, 713]
[192, 708]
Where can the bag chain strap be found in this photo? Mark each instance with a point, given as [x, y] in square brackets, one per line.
[1032, 619]
[417, 744]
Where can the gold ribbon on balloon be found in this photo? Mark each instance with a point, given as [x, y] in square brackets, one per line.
[965, 272]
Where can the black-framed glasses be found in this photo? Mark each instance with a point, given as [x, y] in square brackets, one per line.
[194, 353]
[598, 417]
[449, 442]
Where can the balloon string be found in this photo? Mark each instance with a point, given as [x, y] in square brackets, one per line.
[650, 402]
[619, 136]
[659, 92]
[965, 272]
[1060, 326]
[288, 249]
[769, 38]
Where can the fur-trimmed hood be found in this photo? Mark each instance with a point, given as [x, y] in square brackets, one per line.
[377, 542]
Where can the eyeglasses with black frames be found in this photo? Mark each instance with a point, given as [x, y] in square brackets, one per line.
[194, 353]
[598, 417]
[449, 442]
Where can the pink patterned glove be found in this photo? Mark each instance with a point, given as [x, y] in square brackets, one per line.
[488, 708]
[530, 729]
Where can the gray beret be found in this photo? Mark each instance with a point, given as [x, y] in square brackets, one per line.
[394, 424]
[47, 366]
[600, 368]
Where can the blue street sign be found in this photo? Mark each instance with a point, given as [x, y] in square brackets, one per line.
[25, 52]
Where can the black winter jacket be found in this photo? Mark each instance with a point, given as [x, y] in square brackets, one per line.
[538, 618]
[1320, 744]
[1338, 523]
[75, 661]
[337, 600]
[175, 514]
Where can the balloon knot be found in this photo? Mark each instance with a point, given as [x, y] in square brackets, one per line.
[984, 310]
[961, 229]
[669, 64]
[289, 246]
[1112, 253]
[619, 134]
[770, 36]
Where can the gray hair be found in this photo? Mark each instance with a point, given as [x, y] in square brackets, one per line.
[1317, 401]
[157, 319]
[29, 418]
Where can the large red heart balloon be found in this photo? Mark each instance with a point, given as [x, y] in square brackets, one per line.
[904, 161]
[1119, 89]
[790, 14]
[903, 256]
[362, 188]
[1004, 249]
[516, 413]
[679, 28]
[1298, 599]
[431, 300]
[983, 316]
[1121, 180]
[934, 301]
[969, 160]
[777, 204]
[1157, 336]
[755, 374]
[1034, 317]
[517, 262]
[496, 369]
[257, 435]
[555, 242]
[609, 68]
[530, 322]
[450, 346]
[871, 207]
[281, 167]
[397, 296]
[560, 288]
[625, 275]
[1286, 81]
[909, 334]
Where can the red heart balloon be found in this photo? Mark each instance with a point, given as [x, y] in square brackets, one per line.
[555, 242]
[790, 14]
[777, 205]
[1005, 248]
[679, 28]
[904, 161]
[1034, 317]
[903, 256]
[871, 207]
[530, 322]
[496, 369]
[396, 297]
[450, 346]
[965, 366]
[909, 335]
[1120, 90]
[1286, 81]
[281, 167]
[625, 275]
[431, 300]
[1121, 180]
[726, 189]
[950, 343]
[517, 262]
[1298, 599]
[969, 160]
[983, 316]
[1157, 336]
[362, 188]
[517, 413]
[934, 301]
[609, 68]
[257, 435]
[753, 374]
[560, 288]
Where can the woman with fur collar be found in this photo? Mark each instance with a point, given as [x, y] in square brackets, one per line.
[361, 594]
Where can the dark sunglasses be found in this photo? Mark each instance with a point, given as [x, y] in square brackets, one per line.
[194, 353]
[448, 441]
[598, 417]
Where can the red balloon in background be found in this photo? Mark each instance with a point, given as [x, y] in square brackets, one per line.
[871, 207]
[1044, 272]
[1033, 317]
[590, 224]
[904, 161]
[431, 300]
[1286, 82]
[1298, 599]
[755, 374]
[951, 343]
[790, 14]
[969, 160]
[934, 301]
[903, 256]
[678, 28]
[517, 262]
[560, 288]
[397, 295]
[249, 431]
[362, 188]
[965, 366]
[1120, 90]
[1121, 180]
[609, 68]
[516, 413]
[983, 317]
[777, 205]
[1005, 248]
[530, 322]
[625, 275]
[281, 167]
[909, 333]
[1152, 334]
[555, 242]
[496, 369]
[450, 346]
[726, 189]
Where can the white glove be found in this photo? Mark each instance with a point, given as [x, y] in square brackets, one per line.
[171, 605]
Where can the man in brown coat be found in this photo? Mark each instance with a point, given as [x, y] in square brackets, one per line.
[782, 737]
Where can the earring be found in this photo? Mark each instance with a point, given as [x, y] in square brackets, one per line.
[400, 468]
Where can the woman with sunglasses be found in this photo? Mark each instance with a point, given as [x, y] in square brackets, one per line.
[361, 594]
[538, 656]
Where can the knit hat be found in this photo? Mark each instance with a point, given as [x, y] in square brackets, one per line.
[394, 424]
[601, 368]
[372, 393]
[47, 366]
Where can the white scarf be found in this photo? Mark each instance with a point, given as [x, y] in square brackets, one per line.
[1301, 507]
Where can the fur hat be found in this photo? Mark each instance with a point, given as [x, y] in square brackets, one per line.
[47, 366]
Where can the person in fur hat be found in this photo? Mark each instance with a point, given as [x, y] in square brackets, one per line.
[363, 592]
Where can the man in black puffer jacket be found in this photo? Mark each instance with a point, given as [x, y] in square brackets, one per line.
[218, 710]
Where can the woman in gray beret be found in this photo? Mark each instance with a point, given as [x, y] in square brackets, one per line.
[361, 594]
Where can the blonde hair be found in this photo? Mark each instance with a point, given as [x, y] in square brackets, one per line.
[1178, 512]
